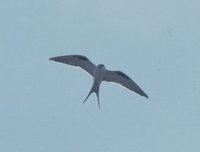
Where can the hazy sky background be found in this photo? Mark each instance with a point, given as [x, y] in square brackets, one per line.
[156, 43]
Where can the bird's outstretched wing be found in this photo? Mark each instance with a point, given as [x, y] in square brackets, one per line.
[76, 60]
[124, 80]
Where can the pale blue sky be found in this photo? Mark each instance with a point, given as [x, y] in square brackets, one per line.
[155, 42]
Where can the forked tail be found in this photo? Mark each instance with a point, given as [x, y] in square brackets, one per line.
[95, 89]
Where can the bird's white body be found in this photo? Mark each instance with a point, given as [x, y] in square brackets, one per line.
[98, 76]
[99, 73]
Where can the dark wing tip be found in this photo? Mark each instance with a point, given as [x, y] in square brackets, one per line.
[145, 95]
[51, 59]
[142, 93]
[57, 58]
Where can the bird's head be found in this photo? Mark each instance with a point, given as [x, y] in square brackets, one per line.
[100, 66]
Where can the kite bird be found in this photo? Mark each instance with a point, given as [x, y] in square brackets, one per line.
[99, 73]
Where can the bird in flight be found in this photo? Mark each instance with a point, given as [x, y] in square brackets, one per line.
[99, 73]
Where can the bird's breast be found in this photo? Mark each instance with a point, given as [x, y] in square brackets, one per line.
[99, 74]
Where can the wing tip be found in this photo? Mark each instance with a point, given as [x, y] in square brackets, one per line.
[52, 59]
[145, 95]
